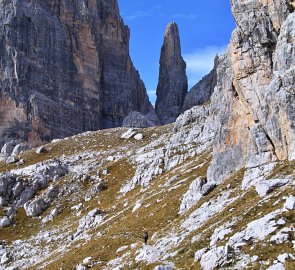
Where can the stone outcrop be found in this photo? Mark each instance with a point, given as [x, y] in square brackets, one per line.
[64, 69]
[203, 90]
[172, 86]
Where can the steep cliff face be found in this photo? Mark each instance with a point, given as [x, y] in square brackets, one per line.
[203, 90]
[172, 86]
[253, 104]
[65, 68]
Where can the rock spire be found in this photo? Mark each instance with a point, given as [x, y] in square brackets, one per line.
[172, 85]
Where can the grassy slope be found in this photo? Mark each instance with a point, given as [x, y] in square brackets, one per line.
[158, 213]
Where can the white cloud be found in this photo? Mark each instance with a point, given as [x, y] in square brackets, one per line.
[184, 16]
[138, 14]
[153, 96]
[144, 13]
[200, 62]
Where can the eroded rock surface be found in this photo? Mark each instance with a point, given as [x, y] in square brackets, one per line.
[203, 90]
[253, 101]
[65, 69]
[172, 86]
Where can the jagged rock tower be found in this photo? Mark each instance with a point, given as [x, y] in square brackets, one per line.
[172, 86]
[64, 69]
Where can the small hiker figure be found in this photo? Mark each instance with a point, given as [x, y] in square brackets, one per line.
[145, 237]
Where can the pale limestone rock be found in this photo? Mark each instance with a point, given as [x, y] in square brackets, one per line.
[53, 213]
[7, 148]
[130, 133]
[80, 267]
[276, 266]
[207, 188]
[19, 148]
[253, 101]
[219, 234]
[5, 222]
[264, 187]
[120, 249]
[192, 196]
[138, 137]
[94, 217]
[254, 175]
[290, 203]
[35, 208]
[200, 253]
[163, 267]
[11, 160]
[257, 230]
[282, 236]
[136, 206]
[6, 258]
[215, 257]
[41, 150]
[17, 189]
[283, 257]
[87, 260]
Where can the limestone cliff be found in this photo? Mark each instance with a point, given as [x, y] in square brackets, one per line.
[65, 68]
[172, 86]
[253, 103]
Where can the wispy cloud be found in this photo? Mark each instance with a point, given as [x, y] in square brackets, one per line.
[152, 95]
[200, 62]
[184, 16]
[138, 14]
[143, 13]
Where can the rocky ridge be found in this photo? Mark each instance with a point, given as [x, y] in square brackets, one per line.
[65, 69]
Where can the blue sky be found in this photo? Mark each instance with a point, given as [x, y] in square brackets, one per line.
[205, 28]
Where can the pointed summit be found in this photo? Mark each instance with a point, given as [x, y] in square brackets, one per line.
[172, 85]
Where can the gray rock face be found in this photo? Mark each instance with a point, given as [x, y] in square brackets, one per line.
[65, 68]
[172, 86]
[203, 90]
[137, 120]
[253, 102]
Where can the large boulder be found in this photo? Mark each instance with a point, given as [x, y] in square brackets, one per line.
[19, 148]
[5, 222]
[290, 203]
[8, 148]
[36, 207]
[264, 187]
